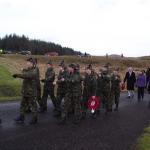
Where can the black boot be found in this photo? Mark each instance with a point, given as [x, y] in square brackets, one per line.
[42, 110]
[129, 97]
[94, 115]
[83, 115]
[20, 119]
[98, 112]
[33, 121]
[62, 121]
[57, 114]
[109, 110]
[28, 111]
[116, 109]
[76, 120]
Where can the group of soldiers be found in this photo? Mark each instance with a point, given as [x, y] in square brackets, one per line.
[73, 91]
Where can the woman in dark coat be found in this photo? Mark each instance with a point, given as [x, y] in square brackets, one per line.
[130, 79]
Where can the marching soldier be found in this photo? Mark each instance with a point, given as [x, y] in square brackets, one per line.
[29, 92]
[38, 85]
[62, 86]
[73, 95]
[99, 89]
[89, 90]
[77, 70]
[115, 88]
[48, 87]
[106, 84]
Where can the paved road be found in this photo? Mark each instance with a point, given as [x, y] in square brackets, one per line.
[117, 131]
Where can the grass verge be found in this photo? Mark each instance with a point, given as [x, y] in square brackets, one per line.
[144, 140]
[9, 87]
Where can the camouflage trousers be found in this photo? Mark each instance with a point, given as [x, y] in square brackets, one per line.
[84, 103]
[38, 97]
[71, 100]
[28, 102]
[105, 96]
[48, 92]
[59, 98]
[115, 97]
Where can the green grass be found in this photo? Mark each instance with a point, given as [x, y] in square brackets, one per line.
[9, 87]
[144, 140]
[7, 99]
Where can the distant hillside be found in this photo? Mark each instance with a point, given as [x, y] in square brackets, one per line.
[115, 56]
[17, 43]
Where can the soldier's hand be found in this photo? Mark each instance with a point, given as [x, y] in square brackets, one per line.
[43, 80]
[14, 75]
[62, 79]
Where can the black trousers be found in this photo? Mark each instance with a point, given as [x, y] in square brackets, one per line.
[140, 93]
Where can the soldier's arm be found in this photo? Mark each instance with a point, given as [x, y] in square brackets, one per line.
[125, 78]
[119, 78]
[27, 75]
[50, 77]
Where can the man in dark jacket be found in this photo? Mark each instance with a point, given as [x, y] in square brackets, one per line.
[29, 91]
[48, 89]
[130, 79]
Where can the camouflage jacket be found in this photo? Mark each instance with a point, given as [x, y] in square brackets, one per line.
[29, 82]
[62, 85]
[105, 82]
[49, 78]
[99, 85]
[90, 85]
[115, 83]
[74, 83]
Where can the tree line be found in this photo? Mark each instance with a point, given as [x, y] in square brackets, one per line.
[17, 43]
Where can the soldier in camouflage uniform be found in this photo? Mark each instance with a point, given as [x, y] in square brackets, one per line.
[73, 95]
[99, 89]
[89, 89]
[38, 85]
[61, 86]
[48, 89]
[115, 88]
[105, 91]
[29, 92]
[77, 70]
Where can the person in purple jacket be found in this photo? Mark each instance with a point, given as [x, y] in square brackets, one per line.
[141, 83]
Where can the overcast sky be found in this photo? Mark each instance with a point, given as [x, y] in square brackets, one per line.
[95, 26]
